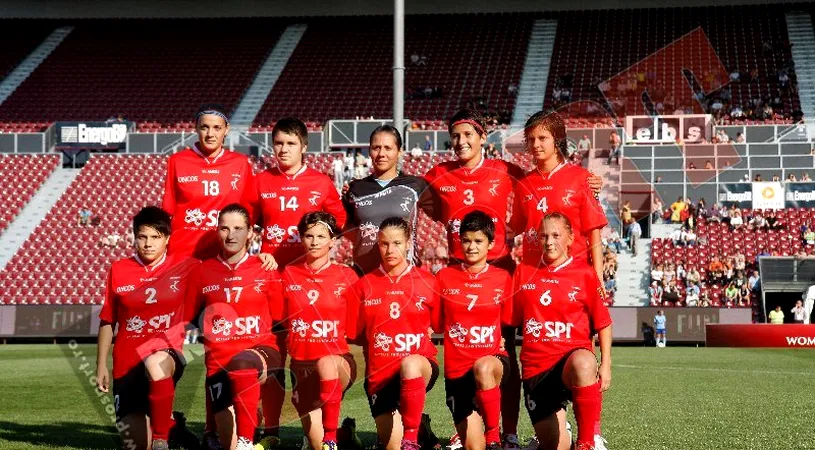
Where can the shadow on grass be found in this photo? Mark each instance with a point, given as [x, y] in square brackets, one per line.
[95, 436]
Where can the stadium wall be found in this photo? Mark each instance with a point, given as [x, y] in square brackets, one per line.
[630, 324]
[61, 9]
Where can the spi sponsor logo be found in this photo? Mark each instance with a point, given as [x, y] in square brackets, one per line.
[476, 335]
[368, 231]
[401, 343]
[241, 326]
[135, 324]
[320, 329]
[454, 226]
[162, 320]
[197, 217]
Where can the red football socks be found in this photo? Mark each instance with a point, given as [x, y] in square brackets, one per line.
[411, 405]
[597, 426]
[245, 398]
[272, 396]
[331, 399]
[161, 397]
[489, 405]
[587, 402]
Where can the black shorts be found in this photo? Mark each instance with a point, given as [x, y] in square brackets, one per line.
[306, 384]
[460, 392]
[130, 392]
[386, 400]
[545, 393]
[219, 387]
[510, 342]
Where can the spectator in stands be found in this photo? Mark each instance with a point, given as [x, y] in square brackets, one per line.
[709, 165]
[740, 138]
[736, 220]
[671, 293]
[715, 269]
[729, 271]
[129, 238]
[740, 262]
[693, 276]
[429, 251]
[735, 75]
[704, 300]
[776, 178]
[715, 214]
[701, 209]
[84, 216]
[758, 178]
[338, 172]
[658, 211]
[791, 178]
[783, 79]
[744, 295]
[722, 135]
[634, 234]
[609, 263]
[691, 166]
[763, 252]
[676, 237]
[416, 151]
[809, 236]
[731, 294]
[414, 59]
[681, 273]
[798, 312]
[492, 152]
[613, 241]
[257, 242]
[614, 143]
[773, 222]
[584, 144]
[512, 89]
[658, 180]
[776, 316]
[655, 293]
[669, 274]
[609, 283]
[348, 163]
[688, 237]
[692, 295]
[657, 273]
[361, 167]
[676, 210]
[758, 222]
[436, 266]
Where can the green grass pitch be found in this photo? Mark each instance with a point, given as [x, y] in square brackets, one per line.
[672, 398]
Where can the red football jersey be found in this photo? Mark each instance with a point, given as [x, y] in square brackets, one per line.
[239, 302]
[474, 306]
[315, 309]
[565, 190]
[557, 308]
[458, 191]
[394, 316]
[195, 190]
[147, 304]
[284, 200]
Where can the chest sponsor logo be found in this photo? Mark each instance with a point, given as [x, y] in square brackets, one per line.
[550, 329]
[136, 324]
[320, 329]
[197, 217]
[400, 343]
[368, 231]
[240, 327]
[475, 335]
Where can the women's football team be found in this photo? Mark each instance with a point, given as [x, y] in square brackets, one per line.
[253, 311]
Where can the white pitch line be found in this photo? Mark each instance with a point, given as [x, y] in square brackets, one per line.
[703, 369]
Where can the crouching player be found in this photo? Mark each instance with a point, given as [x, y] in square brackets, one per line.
[239, 300]
[145, 298]
[392, 309]
[315, 311]
[476, 300]
[558, 303]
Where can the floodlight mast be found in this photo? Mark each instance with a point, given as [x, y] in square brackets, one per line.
[399, 65]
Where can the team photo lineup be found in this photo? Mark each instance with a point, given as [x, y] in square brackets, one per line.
[291, 300]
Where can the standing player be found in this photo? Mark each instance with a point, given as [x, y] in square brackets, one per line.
[556, 186]
[200, 181]
[239, 300]
[559, 303]
[315, 310]
[145, 299]
[459, 187]
[284, 194]
[385, 193]
[392, 310]
[476, 300]
[659, 326]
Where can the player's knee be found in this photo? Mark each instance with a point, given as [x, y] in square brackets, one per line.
[244, 361]
[583, 365]
[159, 366]
[328, 366]
[486, 369]
[411, 367]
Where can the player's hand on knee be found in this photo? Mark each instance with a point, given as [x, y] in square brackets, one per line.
[605, 376]
[102, 379]
[268, 262]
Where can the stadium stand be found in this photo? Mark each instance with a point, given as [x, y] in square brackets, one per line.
[22, 176]
[594, 46]
[26, 35]
[62, 262]
[111, 67]
[342, 72]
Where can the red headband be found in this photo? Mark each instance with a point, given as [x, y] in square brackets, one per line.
[475, 125]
